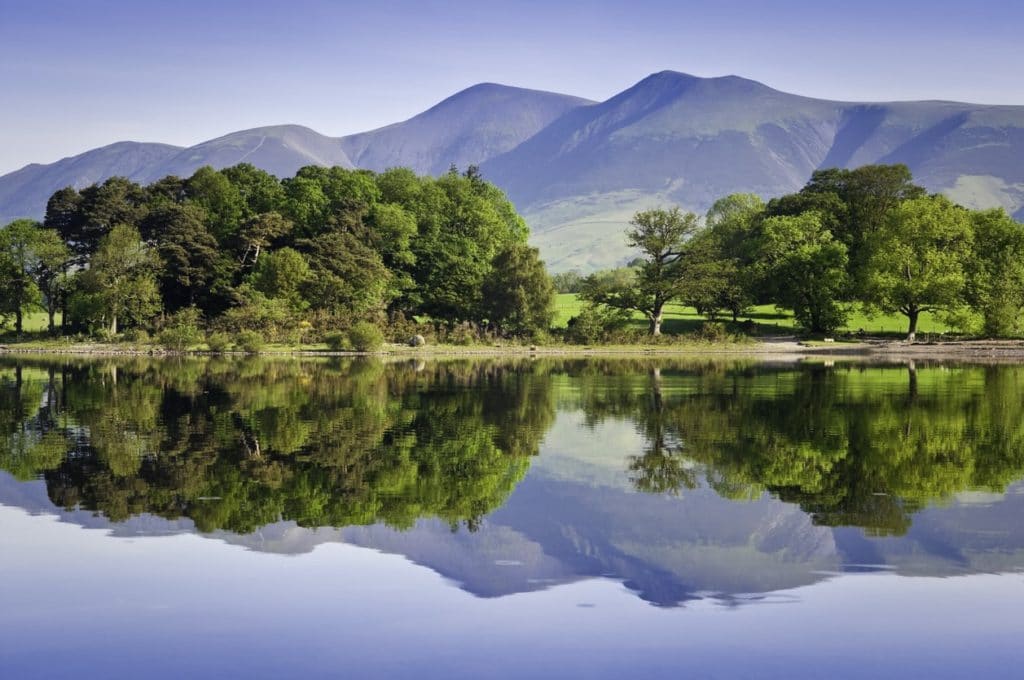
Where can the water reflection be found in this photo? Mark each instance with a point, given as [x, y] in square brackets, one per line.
[682, 480]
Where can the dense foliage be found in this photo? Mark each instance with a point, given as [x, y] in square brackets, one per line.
[290, 259]
[867, 237]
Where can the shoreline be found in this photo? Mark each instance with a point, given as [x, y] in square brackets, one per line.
[776, 348]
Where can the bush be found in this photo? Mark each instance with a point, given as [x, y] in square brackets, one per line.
[180, 338]
[139, 336]
[711, 331]
[336, 342]
[595, 324]
[249, 341]
[182, 330]
[218, 342]
[365, 337]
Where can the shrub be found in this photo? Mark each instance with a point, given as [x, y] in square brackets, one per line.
[180, 338]
[218, 342]
[182, 330]
[595, 324]
[365, 337]
[139, 336]
[711, 331]
[249, 341]
[336, 342]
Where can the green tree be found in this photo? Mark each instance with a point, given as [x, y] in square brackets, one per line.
[996, 272]
[194, 271]
[122, 279]
[919, 260]
[18, 263]
[660, 236]
[519, 296]
[805, 268]
[258, 233]
[282, 274]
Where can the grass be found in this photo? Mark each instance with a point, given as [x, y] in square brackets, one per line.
[769, 319]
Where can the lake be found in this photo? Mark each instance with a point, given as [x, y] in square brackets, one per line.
[169, 518]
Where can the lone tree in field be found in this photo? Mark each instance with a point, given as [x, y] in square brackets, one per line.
[659, 235]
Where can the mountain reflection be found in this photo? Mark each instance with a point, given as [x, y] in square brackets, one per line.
[681, 479]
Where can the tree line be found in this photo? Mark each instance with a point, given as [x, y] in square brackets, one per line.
[867, 237]
[238, 250]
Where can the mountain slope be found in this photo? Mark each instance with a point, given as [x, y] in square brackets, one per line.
[24, 192]
[578, 170]
[280, 150]
[467, 128]
[678, 139]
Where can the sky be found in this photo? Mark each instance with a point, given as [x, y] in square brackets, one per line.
[79, 74]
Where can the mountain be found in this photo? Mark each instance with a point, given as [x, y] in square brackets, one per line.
[578, 170]
[24, 192]
[467, 128]
[674, 138]
[280, 150]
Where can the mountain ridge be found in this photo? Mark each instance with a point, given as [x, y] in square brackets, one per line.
[578, 169]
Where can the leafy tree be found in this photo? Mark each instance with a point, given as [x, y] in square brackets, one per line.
[101, 208]
[919, 259]
[258, 233]
[19, 291]
[282, 274]
[519, 296]
[806, 268]
[996, 272]
[660, 236]
[220, 200]
[260, 191]
[121, 282]
[567, 282]
[347, 277]
[50, 271]
[194, 271]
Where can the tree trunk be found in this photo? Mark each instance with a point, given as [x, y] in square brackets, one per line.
[18, 321]
[655, 317]
[113, 325]
[51, 312]
[912, 314]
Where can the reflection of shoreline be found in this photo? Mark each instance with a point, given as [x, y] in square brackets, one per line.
[785, 349]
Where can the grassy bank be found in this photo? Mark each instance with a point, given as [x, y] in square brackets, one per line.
[768, 318]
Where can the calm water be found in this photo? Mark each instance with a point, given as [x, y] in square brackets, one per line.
[502, 519]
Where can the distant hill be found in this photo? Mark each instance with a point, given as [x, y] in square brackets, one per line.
[467, 128]
[578, 170]
[24, 192]
[280, 150]
[678, 139]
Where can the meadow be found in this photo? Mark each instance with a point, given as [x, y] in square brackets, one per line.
[769, 319]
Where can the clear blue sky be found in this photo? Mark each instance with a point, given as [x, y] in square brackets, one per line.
[76, 74]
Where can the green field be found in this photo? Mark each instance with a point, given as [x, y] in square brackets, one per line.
[680, 319]
[33, 322]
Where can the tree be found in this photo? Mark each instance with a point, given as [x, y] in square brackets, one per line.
[50, 271]
[660, 236]
[258, 233]
[805, 268]
[221, 201]
[194, 271]
[918, 261]
[282, 274]
[996, 272]
[18, 262]
[519, 296]
[121, 280]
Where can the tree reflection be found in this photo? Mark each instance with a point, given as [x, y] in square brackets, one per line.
[854, 446]
[237, 445]
[240, 444]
